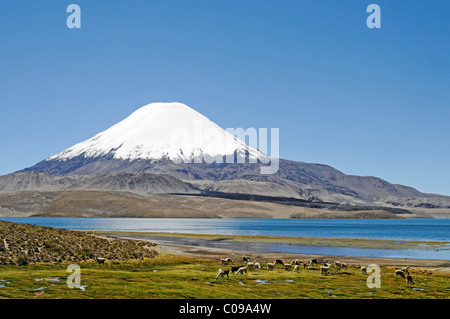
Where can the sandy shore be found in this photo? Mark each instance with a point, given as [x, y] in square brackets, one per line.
[212, 247]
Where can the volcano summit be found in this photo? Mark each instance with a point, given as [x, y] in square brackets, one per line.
[155, 133]
[172, 131]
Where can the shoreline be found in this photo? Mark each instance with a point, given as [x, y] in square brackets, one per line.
[216, 247]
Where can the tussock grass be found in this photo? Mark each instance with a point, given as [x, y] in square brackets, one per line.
[22, 244]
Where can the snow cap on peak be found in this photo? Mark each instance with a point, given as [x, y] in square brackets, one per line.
[162, 130]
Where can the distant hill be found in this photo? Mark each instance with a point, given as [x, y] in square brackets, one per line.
[89, 203]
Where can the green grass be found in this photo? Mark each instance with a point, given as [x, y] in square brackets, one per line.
[176, 277]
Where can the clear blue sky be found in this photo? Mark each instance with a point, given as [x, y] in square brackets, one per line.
[365, 101]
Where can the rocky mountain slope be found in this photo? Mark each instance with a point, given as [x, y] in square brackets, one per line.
[143, 183]
[314, 182]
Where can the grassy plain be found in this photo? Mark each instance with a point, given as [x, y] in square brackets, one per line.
[177, 277]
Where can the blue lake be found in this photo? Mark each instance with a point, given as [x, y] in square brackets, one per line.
[397, 229]
[400, 229]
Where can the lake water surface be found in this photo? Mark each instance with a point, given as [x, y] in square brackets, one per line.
[400, 229]
[392, 229]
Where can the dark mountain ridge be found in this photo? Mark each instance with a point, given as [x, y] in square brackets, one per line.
[308, 181]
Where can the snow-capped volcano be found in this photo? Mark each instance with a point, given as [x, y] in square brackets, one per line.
[163, 130]
[165, 138]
